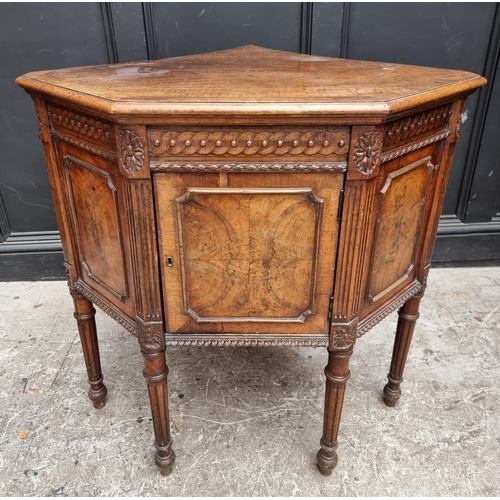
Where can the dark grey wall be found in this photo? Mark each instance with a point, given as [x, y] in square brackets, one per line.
[49, 35]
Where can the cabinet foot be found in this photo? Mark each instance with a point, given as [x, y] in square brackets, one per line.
[165, 458]
[392, 394]
[327, 459]
[98, 396]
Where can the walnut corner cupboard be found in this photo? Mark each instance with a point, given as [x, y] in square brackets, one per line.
[248, 197]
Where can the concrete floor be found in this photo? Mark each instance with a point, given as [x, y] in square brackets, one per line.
[248, 421]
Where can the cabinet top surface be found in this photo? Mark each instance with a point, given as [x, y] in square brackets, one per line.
[251, 79]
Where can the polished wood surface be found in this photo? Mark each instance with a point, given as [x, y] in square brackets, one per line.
[250, 79]
[239, 243]
[248, 197]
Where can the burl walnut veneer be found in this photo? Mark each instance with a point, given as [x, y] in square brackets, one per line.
[248, 197]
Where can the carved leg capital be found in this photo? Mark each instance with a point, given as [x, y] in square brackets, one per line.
[85, 317]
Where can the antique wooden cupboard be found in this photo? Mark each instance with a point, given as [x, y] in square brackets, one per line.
[248, 197]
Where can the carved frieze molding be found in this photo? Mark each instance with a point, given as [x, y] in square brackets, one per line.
[367, 152]
[197, 340]
[383, 313]
[80, 124]
[127, 323]
[408, 148]
[412, 126]
[248, 143]
[130, 150]
[249, 167]
[38, 119]
[84, 145]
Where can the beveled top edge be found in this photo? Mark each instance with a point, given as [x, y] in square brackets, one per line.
[250, 80]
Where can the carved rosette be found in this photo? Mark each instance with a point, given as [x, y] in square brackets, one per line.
[150, 335]
[130, 151]
[344, 336]
[367, 152]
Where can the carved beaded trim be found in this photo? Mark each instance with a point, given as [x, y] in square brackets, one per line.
[171, 340]
[403, 129]
[248, 143]
[81, 124]
[130, 150]
[84, 145]
[367, 152]
[127, 324]
[418, 287]
[414, 146]
[249, 167]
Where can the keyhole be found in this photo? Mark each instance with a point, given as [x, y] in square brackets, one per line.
[170, 261]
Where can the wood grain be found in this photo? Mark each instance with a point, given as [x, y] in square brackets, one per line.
[85, 317]
[94, 207]
[402, 202]
[404, 197]
[234, 144]
[248, 81]
[277, 228]
[248, 197]
[243, 254]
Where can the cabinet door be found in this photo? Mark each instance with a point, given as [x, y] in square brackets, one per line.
[248, 252]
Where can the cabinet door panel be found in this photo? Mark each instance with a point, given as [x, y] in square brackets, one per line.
[247, 252]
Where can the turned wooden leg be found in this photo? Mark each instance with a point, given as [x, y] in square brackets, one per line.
[85, 317]
[156, 373]
[408, 315]
[337, 374]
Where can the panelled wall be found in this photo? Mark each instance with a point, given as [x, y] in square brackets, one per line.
[54, 35]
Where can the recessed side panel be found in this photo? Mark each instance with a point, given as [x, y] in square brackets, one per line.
[401, 206]
[94, 209]
[244, 250]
